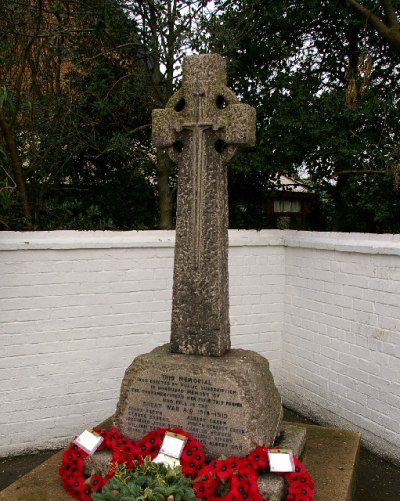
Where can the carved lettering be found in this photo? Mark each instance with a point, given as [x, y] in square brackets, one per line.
[199, 405]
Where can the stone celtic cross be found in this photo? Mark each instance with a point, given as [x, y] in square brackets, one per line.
[202, 128]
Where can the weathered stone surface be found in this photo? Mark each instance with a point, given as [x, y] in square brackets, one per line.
[99, 462]
[272, 486]
[294, 438]
[229, 403]
[201, 128]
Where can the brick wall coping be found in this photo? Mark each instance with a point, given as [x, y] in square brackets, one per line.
[70, 239]
[365, 243]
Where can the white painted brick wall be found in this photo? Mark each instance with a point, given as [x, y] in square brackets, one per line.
[341, 337]
[77, 307]
[72, 318]
[257, 282]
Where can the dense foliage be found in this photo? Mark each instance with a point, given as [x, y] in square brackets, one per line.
[75, 105]
[325, 85]
[147, 482]
[79, 80]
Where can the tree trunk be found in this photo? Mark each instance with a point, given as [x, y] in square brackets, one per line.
[341, 206]
[164, 192]
[17, 167]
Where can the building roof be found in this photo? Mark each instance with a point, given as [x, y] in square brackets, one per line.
[285, 183]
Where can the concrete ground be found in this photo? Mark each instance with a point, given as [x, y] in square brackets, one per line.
[377, 479]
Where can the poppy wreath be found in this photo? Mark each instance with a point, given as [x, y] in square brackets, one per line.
[71, 470]
[123, 450]
[192, 458]
[240, 475]
[228, 479]
[301, 485]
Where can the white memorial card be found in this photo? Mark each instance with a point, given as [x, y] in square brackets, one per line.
[171, 449]
[173, 444]
[89, 441]
[281, 460]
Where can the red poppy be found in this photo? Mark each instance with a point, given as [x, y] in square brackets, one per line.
[259, 458]
[111, 437]
[233, 462]
[251, 479]
[78, 483]
[208, 479]
[300, 493]
[85, 492]
[236, 488]
[96, 481]
[306, 491]
[223, 469]
[67, 455]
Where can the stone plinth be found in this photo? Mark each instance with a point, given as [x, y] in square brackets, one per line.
[229, 403]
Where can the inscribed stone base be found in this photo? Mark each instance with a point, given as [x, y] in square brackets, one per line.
[229, 403]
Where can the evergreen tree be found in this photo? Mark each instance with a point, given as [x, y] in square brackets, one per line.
[326, 90]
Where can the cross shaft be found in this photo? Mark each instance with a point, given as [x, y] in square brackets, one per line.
[202, 127]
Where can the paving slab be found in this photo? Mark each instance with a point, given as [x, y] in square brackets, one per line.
[330, 455]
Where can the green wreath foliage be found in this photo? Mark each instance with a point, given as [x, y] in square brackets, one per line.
[146, 482]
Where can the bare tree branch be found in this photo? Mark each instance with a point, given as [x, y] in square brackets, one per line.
[359, 171]
[389, 33]
[390, 13]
